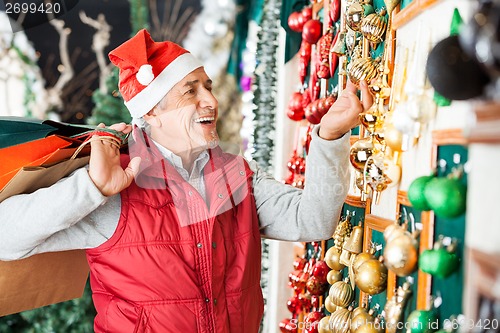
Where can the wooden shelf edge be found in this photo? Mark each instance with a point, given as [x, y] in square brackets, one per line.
[355, 201]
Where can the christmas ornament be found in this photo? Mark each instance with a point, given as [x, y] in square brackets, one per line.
[338, 44]
[323, 48]
[340, 320]
[341, 293]
[362, 69]
[299, 263]
[373, 27]
[354, 16]
[422, 321]
[296, 107]
[315, 286]
[352, 246]
[361, 258]
[342, 232]
[394, 308]
[306, 13]
[323, 326]
[448, 67]
[416, 193]
[329, 306]
[401, 250]
[334, 11]
[312, 31]
[333, 276]
[370, 327]
[312, 320]
[379, 173]
[440, 261]
[295, 21]
[446, 196]
[304, 59]
[333, 59]
[320, 270]
[373, 118]
[393, 137]
[332, 258]
[361, 316]
[360, 151]
[371, 277]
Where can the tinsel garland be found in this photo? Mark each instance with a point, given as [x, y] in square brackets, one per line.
[265, 108]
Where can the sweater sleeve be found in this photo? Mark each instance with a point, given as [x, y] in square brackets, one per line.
[71, 214]
[311, 214]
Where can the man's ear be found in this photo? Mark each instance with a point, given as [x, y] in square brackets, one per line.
[152, 119]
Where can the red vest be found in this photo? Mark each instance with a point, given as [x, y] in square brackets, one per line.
[176, 264]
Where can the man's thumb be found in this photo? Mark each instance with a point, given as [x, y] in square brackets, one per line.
[133, 168]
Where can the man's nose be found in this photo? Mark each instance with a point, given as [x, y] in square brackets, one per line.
[208, 100]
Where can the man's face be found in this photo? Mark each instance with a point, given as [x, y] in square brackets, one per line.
[188, 115]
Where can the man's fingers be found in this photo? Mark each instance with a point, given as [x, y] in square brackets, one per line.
[366, 96]
[132, 169]
[350, 87]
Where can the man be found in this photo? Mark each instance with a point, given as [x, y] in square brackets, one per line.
[172, 230]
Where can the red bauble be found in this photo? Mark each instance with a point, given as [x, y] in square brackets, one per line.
[294, 22]
[312, 320]
[315, 286]
[299, 263]
[305, 302]
[312, 30]
[321, 270]
[307, 13]
[334, 11]
[299, 182]
[312, 113]
[295, 107]
[293, 305]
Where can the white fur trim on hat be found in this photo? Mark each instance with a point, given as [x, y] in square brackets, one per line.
[145, 75]
[145, 100]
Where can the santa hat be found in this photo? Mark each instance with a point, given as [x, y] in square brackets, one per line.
[149, 69]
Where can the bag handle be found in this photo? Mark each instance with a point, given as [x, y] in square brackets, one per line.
[117, 139]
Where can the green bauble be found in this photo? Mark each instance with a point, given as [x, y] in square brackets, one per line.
[446, 197]
[416, 193]
[438, 262]
[422, 321]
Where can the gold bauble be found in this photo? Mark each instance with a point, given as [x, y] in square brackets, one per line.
[393, 172]
[360, 151]
[361, 69]
[373, 119]
[361, 258]
[393, 138]
[401, 255]
[361, 318]
[393, 231]
[329, 306]
[373, 27]
[360, 309]
[332, 259]
[323, 325]
[341, 293]
[333, 276]
[371, 277]
[340, 321]
[354, 16]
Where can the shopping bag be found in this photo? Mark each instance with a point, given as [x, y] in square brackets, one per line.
[41, 280]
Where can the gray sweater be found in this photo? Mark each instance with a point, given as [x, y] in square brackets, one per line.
[73, 214]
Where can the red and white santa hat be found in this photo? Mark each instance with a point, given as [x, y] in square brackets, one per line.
[149, 69]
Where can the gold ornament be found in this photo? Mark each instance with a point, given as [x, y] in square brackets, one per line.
[362, 69]
[323, 325]
[373, 118]
[393, 138]
[361, 317]
[373, 27]
[379, 173]
[340, 44]
[401, 251]
[361, 258]
[352, 246]
[360, 151]
[394, 307]
[341, 293]
[342, 232]
[371, 277]
[354, 16]
[332, 259]
[333, 276]
[329, 305]
[340, 320]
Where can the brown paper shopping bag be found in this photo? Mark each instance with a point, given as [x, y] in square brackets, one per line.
[47, 278]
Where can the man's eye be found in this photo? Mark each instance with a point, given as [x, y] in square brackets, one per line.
[189, 92]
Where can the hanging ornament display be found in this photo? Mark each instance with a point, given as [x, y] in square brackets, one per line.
[323, 48]
[371, 276]
[416, 193]
[440, 261]
[312, 31]
[341, 293]
[373, 27]
[446, 196]
[352, 246]
[340, 320]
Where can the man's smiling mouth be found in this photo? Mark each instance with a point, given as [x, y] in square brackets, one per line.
[205, 120]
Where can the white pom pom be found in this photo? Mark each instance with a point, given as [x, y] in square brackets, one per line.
[145, 75]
